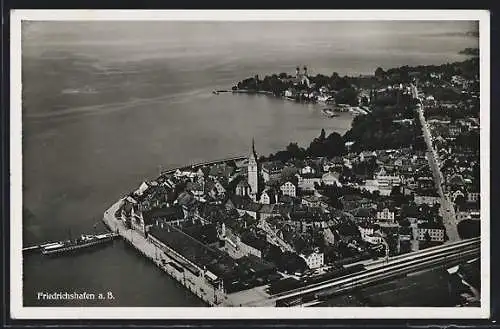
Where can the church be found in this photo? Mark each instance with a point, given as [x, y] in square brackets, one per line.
[250, 186]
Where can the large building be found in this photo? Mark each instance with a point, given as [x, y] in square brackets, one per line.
[253, 172]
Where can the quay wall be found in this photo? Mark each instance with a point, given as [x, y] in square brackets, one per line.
[161, 256]
[205, 163]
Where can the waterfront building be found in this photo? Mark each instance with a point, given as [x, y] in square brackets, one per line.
[253, 172]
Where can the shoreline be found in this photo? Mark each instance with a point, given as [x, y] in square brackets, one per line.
[161, 257]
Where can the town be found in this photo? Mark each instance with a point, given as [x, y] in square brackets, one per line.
[404, 178]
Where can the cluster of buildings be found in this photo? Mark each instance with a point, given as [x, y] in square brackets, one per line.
[277, 218]
[245, 222]
[456, 144]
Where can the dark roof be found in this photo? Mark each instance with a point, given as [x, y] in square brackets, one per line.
[363, 212]
[315, 175]
[273, 166]
[243, 183]
[186, 199]
[456, 180]
[168, 213]
[221, 170]
[205, 170]
[254, 241]
[204, 233]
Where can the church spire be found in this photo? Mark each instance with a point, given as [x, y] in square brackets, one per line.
[252, 151]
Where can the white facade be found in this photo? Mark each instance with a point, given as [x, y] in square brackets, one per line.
[473, 196]
[374, 239]
[314, 260]
[385, 215]
[307, 183]
[268, 197]
[248, 250]
[289, 189]
[365, 231]
[388, 180]
[430, 200]
[307, 170]
[330, 179]
[436, 234]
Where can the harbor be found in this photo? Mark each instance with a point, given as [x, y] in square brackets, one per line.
[165, 259]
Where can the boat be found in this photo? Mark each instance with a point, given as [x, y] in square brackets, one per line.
[84, 241]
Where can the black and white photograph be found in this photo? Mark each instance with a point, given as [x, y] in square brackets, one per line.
[249, 164]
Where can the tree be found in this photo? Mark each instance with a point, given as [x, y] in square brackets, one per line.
[295, 151]
[379, 73]
[322, 135]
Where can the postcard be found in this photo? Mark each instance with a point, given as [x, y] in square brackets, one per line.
[204, 164]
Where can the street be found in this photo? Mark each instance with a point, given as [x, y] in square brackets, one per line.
[447, 210]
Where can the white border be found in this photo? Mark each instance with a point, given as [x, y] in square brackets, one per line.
[20, 312]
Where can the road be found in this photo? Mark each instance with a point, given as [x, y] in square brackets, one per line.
[447, 210]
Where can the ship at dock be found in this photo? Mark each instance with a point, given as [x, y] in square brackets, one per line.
[82, 242]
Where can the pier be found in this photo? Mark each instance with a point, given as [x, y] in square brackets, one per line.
[164, 259]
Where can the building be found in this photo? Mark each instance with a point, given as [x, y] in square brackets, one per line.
[314, 259]
[367, 155]
[473, 196]
[289, 189]
[253, 172]
[374, 238]
[252, 245]
[272, 170]
[428, 199]
[243, 188]
[435, 233]
[385, 215]
[307, 182]
[307, 170]
[365, 231]
[268, 196]
[214, 188]
[331, 178]
[386, 179]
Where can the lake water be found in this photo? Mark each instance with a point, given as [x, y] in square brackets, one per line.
[107, 105]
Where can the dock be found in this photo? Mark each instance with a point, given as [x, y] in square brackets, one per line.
[163, 260]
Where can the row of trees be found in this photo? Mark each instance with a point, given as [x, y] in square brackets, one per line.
[468, 69]
[322, 146]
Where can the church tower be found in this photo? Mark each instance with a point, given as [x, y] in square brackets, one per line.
[253, 170]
